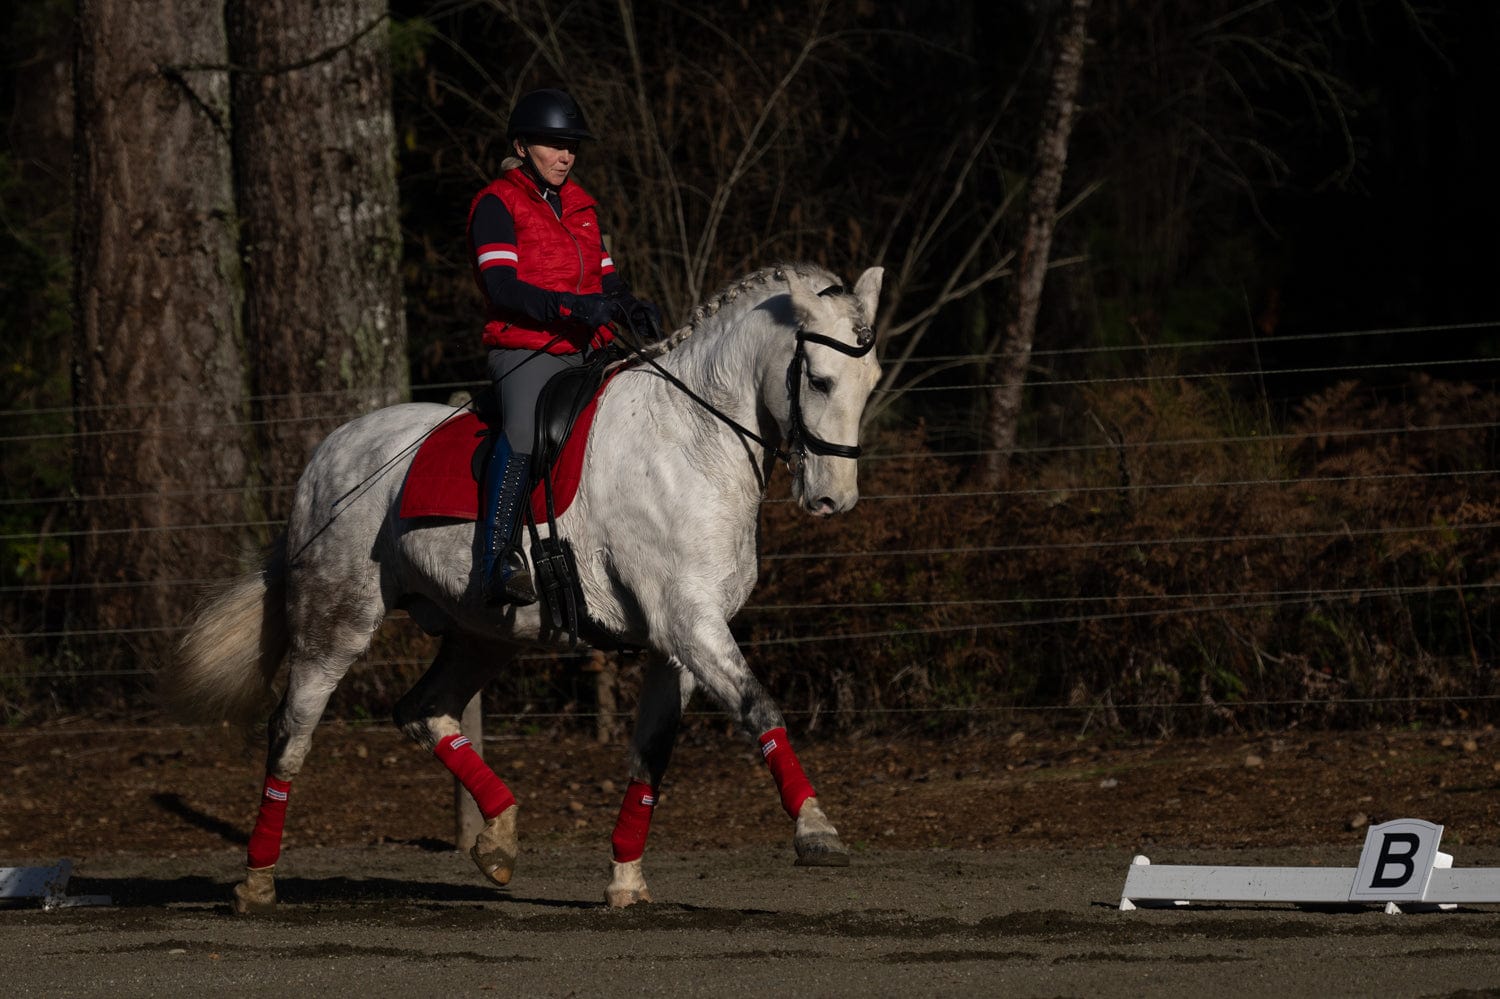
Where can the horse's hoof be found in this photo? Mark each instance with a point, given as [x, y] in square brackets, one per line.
[627, 885]
[496, 848]
[619, 898]
[821, 850]
[816, 840]
[256, 895]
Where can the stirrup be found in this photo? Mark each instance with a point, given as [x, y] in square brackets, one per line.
[511, 582]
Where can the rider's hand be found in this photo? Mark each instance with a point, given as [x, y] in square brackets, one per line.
[591, 310]
[644, 318]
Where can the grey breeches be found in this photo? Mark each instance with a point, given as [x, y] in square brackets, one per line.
[518, 376]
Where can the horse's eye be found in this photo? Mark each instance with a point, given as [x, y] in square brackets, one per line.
[819, 383]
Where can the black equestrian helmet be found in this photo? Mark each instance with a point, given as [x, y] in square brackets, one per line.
[545, 114]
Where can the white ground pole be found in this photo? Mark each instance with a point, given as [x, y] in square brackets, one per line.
[50, 884]
[1399, 866]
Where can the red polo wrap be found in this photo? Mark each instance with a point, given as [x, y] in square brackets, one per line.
[793, 784]
[629, 839]
[489, 791]
[265, 840]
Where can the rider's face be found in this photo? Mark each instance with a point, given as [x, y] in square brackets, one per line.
[553, 158]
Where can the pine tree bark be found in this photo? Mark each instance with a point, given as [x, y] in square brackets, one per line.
[158, 369]
[1008, 372]
[314, 145]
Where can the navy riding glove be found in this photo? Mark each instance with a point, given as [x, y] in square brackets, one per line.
[591, 310]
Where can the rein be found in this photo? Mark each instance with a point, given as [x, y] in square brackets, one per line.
[800, 440]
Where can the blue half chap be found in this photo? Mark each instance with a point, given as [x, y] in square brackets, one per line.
[507, 476]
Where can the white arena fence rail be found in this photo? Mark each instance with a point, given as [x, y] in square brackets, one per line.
[17, 428]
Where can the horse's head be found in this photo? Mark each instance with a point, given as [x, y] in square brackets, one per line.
[831, 374]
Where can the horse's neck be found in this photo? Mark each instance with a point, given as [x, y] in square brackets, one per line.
[730, 368]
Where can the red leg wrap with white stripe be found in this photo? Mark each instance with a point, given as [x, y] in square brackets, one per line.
[265, 840]
[793, 784]
[489, 791]
[629, 839]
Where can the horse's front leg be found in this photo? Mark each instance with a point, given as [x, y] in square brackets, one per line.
[705, 645]
[664, 695]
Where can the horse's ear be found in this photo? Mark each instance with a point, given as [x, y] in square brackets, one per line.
[809, 309]
[867, 290]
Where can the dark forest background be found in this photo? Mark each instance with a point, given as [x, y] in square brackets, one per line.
[1248, 474]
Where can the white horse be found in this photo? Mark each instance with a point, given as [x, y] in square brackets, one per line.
[663, 528]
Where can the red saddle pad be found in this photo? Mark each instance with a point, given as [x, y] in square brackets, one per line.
[441, 482]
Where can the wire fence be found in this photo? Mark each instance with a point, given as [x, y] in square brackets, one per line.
[1412, 488]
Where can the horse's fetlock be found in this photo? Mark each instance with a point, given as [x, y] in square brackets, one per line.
[418, 731]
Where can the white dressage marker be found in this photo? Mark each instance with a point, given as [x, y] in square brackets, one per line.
[1400, 866]
[50, 884]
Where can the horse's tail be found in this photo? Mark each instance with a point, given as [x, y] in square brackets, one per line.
[227, 663]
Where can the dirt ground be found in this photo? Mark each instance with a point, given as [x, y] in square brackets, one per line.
[78, 791]
[979, 865]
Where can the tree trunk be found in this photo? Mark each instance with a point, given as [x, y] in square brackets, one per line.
[314, 145]
[1014, 357]
[158, 372]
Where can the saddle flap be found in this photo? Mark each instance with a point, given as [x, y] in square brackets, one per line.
[558, 405]
[443, 479]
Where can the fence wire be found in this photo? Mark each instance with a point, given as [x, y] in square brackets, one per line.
[992, 617]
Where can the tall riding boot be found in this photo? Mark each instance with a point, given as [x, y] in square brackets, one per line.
[507, 479]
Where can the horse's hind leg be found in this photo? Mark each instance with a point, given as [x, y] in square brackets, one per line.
[664, 695]
[312, 677]
[429, 714]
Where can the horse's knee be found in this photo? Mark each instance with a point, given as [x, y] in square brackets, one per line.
[422, 724]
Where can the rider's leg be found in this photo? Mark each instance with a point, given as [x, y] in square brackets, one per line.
[518, 376]
[507, 481]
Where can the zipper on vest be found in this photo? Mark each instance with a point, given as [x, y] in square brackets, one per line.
[577, 248]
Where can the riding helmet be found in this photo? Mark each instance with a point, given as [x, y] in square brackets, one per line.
[547, 114]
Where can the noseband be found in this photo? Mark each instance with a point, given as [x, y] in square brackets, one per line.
[800, 440]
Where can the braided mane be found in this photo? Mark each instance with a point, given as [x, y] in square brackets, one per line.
[734, 292]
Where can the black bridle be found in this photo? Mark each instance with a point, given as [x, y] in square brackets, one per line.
[799, 440]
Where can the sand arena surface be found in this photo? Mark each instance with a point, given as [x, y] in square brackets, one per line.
[981, 866]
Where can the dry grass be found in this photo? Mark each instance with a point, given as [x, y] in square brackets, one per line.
[1314, 573]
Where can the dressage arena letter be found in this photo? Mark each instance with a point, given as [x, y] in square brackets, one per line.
[1400, 865]
[1396, 862]
[1387, 856]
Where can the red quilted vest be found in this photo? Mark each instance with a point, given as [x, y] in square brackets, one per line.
[551, 253]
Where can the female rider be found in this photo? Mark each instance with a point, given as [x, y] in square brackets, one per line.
[550, 288]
